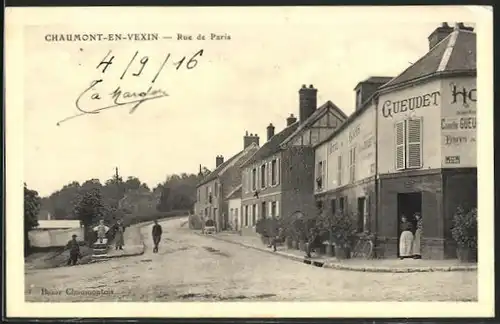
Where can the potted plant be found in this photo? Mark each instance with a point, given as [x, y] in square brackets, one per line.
[464, 232]
[342, 233]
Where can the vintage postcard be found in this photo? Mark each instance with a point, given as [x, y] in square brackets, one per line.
[249, 162]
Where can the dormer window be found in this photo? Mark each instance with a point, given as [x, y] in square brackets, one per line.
[210, 197]
[358, 98]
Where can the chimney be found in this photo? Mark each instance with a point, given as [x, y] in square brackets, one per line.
[307, 102]
[439, 34]
[270, 131]
[219, 159]
[290, 120]
[249, 139]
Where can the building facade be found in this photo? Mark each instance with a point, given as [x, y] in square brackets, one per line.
[277, 179]
[234, 200]
[213, 190]
[410, 148]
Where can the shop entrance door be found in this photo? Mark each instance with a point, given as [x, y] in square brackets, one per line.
[408, 204]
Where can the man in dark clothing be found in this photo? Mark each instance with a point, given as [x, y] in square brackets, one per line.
[74, 250]
[157, 231]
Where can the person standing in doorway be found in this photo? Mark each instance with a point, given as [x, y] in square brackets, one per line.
[119, 232]
[74, 250]
[157, 231]
[406, 239]
[417, 254]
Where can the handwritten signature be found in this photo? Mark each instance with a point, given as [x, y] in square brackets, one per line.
[118, 98]
[125, 98]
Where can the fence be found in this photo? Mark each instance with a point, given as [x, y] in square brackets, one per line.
[53, 238]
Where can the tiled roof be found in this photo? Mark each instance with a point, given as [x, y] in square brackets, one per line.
[236, 193]
[457, 52]
[273, 145]
[218, 171]
[314, 117]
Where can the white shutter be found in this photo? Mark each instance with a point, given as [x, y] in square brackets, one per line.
[270, 209]
[278, 170]
[414, 143]
[339, 170]
[400, 135]
[269, 174]
[323, 175]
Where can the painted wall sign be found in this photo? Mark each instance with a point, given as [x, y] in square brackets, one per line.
[354, 133]
[452, 159]
[333, 147]
[462, 95]
[390, 108]
[463, 123]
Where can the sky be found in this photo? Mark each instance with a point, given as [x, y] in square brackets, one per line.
[238, 85]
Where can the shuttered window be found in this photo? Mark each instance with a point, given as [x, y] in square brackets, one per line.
[352, 164]
[408, 140]
[339, 170]
[278, 171]
[400, 137]
[414, 143]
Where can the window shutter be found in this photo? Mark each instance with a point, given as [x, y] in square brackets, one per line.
[339, 170]
[269, 174]
[277, 208]
[270, 209]
[400, 130]
[323, 174]
[278, 170]
[414, 144]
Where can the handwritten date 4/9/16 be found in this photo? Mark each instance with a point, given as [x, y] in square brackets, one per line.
[131, 97]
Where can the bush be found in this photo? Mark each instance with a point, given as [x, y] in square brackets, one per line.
[342, 229]
[267, 227]
[464, 230]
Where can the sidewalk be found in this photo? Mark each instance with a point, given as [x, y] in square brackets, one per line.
[133, 244]
[380, 265]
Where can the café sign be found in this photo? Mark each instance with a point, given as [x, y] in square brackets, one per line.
[391, 108]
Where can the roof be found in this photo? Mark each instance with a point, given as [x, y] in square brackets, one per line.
[273, 145]
[376, 80]
[456, 52]
[221, 168]
[236, 193]
[58, 224]
[318, 113]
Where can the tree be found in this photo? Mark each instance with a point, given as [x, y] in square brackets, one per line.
[132, 183]
[90, 208]
[32, 202]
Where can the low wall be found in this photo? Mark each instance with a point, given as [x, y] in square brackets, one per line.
[53, 238]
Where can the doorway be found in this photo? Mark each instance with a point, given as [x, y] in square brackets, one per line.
[361, 214]
[408, 204]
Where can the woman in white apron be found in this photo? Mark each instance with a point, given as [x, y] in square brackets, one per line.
[406, 239]
[416, 249]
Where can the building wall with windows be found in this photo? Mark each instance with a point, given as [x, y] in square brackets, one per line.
[427, 160]
[208, 200]
[345, 169]
[409, 128]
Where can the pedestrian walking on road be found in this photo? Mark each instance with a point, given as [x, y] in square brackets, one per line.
[74, 251]
[157, 231]
[119, 230]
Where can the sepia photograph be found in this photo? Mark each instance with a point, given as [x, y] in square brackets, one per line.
[280, 157]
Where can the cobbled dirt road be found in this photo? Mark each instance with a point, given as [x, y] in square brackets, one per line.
[189, 267]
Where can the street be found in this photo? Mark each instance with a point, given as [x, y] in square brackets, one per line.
[190, 267]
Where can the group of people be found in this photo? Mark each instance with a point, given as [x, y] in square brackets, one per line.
[409, 241]
[74, 246]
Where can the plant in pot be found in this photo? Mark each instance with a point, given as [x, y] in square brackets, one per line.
[464, 232]
[342, 231]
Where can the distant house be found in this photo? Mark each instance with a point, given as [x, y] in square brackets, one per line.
[212, 190]
[54, 233]
[278, 179]
[234, 201]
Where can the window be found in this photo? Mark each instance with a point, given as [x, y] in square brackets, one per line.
[273, 173]
[319, 205]
[320, 175]
[333, 204]
[339, 170]
[273, 209]
[236, 212]
[263, 176]
[254, 179]
[352, 164]
[216, 189]
[361, 215]
[206, 194]
[277, 209]
[263, 210]
[408, 140]
[246, 215]
[254, 214]
[341, 204]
